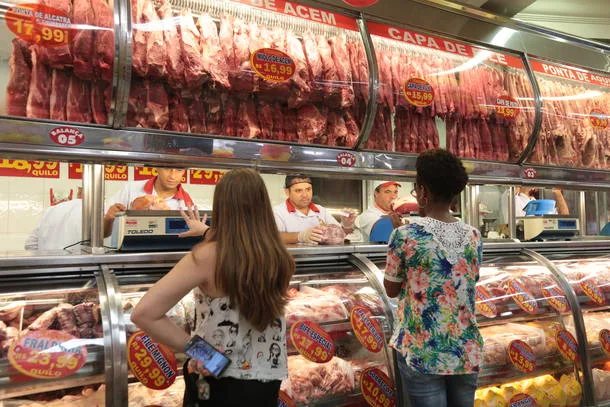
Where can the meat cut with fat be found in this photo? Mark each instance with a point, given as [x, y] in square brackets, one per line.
[60, 82]
[173, 64]
[340, 54]
[214, 60]
[178, 117]
[311, 123]
[103, 57]
[247, 125]
[39, 94]
[139, 39]
[157, 105]
[194, 66]
[83, 45]
[79, 98]
[100, 101]
[18, 85]
[156, 53]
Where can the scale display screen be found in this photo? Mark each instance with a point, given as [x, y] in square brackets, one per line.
[175, 225]
[566, 224]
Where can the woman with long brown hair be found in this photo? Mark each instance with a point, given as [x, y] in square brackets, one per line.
[240, 275]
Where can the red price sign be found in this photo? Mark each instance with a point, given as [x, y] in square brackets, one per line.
[523, 298]
[66, 136]
[507, 107]
[367, 330]
[346, 159]
[556, 298]
[484, 304]
[566, 343]
[522, 400]
[29, 169]
[593, 292]
[272, 65]
[284, 400]
[111, 172]
[604, 340]
[206, 177]
[598, 119]
[153, 364]
[40, 24]
[419, 92]
[522, 356]
[46, 354]
[312, 341]
[377, 388]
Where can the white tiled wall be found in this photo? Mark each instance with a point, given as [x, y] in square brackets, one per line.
[23, 201]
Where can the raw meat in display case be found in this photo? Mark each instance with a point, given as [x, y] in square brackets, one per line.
[205, 65]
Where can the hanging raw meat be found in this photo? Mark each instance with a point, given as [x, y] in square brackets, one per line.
[242, 79]
[174, 66]
[39, 94]
[300, 79]
[99, 92]
[178, 117]
[60, 56]
[213, 112]
[136, 104]
[156, 53]
[103, 56]
[311, 123]
[196, 115]
[83, 44]
[247, 125]
[78, 108]
[214, 61]
[194, 66]
[60, 81]
[19, 79]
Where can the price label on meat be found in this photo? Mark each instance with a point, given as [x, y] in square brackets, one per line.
[272, 65]
[484, 304]
[151, 363]
[377, 388]
[566, 343]
[312, 341]
[522, 356]
[599, 120]
[556, 298]
[593, 292]
[367, 330]
[284, 400]
[604, 340]
[522, 297]
[47, 354]
[39, 24]
[507, 107]
[419, 92]
[522, 400]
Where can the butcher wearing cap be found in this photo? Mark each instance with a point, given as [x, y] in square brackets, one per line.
[386, 193]
[298, 219]
[163, 192]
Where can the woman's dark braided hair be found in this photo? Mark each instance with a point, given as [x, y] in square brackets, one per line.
[442, 173]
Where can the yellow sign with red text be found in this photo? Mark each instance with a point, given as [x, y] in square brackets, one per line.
[46, 354]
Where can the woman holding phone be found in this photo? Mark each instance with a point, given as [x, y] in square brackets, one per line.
[240, 275]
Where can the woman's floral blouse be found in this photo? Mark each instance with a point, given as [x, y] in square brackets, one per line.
[437, 264]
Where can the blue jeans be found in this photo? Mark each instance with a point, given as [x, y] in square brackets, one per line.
[429, 390]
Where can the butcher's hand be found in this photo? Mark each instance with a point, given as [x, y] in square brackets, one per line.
[113, 210]
[196, 366]
[196, 226]
[311, 235]
[348, 217]
[396, 219]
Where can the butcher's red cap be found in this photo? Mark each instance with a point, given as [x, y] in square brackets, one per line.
[383, 184]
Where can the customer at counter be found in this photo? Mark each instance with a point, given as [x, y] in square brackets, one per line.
[298, 219]
[240, 275]
[385, 194]
[432, 267]
[164, 192]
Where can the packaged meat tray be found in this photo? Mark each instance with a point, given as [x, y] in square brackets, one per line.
[601, 383]
[582, 272]
[594, 322]
[314, 305]
[309, 381]
[498, 337]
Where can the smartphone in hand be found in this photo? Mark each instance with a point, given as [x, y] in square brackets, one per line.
[213, 360]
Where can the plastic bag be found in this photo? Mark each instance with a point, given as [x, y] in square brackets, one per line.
[315, 305]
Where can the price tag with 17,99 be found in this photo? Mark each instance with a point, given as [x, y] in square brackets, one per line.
[39, 24]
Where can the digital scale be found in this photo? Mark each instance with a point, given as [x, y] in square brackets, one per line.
[549, 227]
[151, 231]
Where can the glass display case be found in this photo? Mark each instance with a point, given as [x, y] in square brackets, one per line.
[54, 338]
[322, 293]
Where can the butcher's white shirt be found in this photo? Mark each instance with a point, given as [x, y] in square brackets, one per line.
[297, 221]
[61, 225]
[521, 201]
[365, 221]
[135, 189]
